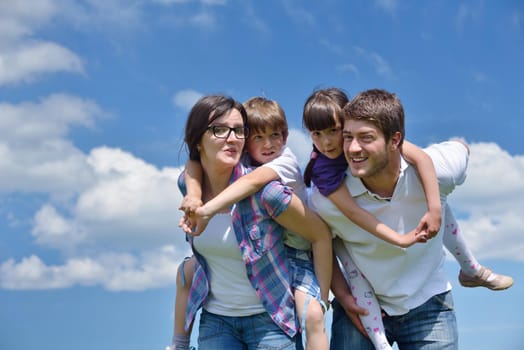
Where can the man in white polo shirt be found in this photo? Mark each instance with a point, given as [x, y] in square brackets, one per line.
[409, 283]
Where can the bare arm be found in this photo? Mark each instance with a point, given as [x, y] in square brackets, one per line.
[193, 179]
[347, 205]
[238, 190]
[300, 219]
[431, 221]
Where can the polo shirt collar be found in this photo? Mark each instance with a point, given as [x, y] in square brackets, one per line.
[357, 188]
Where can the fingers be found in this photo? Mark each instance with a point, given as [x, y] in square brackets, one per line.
[425, 235]
[360, 310]
[358, 324]
[187, 223]
[190, 204]
[351, 307]
[420, 227]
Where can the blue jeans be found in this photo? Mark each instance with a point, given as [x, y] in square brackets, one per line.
[241, 333]
[431, 326]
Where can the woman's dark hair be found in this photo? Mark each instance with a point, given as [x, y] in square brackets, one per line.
[203, 113]
[322, 110]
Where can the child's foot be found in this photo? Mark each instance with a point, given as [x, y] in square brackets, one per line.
[486, 278]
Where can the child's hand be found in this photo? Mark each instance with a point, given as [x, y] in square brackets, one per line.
[190, 204]
[195, 222]
[430, 223]
[185, 224]
[413, 237]
[199, 219]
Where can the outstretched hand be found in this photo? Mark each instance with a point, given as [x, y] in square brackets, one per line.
[430, 223]
[412, 237]
[194, 222]
[190, 204]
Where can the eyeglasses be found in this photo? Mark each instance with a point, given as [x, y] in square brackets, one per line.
[223, 132]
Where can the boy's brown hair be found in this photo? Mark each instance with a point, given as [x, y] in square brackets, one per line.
[264, 113]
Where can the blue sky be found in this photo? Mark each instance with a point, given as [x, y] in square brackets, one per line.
[93, 99]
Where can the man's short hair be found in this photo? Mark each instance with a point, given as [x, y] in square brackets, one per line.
[380, 108]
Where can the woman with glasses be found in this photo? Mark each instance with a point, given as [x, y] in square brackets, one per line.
[241, 276]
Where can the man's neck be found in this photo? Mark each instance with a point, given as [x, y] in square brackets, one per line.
[383, 184]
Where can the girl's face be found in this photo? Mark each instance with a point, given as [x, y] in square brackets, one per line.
[328, 141]
[223, 142]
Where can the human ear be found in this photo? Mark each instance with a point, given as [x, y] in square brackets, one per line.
[395, 140]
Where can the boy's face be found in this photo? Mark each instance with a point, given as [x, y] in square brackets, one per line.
[264, 146]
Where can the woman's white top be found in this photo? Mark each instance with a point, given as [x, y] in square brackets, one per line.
[231, 293]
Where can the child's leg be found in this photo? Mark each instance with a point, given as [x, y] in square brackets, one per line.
[364, 297]
[307, 293]
[184, 278]
[309, 310]
[455, 243]
[472, 274]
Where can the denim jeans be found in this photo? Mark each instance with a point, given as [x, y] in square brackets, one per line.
[431, 326]
[241, 333]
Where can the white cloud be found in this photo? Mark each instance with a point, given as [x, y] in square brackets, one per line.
[490, 203]
[23, 59]
[298, 13]
[27, 61]
[205, 2]
[20, 18]
[516, 20]
[171, 2]
[349, 68]
[301, 145]
[118, 208]
[129, 204]
[155, 268]
[214, 2]
[185, 99]
[479, 77]
[116, 272]
[35, 154]
[468, 13]
[118, 15]
[387, 5]
[132, 203]
[53, 230]
[380, 64]
[50, 117]
[130, 207]
[336, 49]
[254, 19]
[203, 19]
